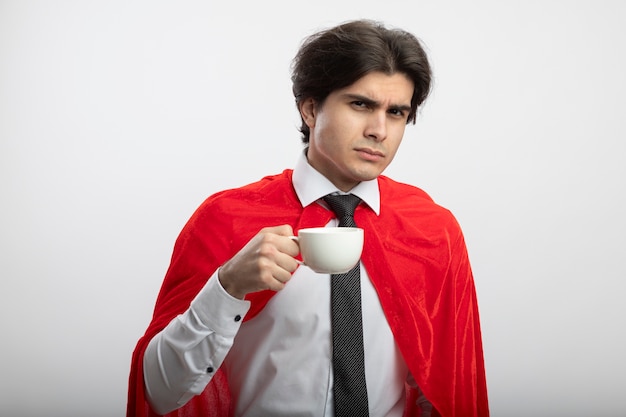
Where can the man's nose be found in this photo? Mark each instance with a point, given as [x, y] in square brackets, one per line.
[377, 126]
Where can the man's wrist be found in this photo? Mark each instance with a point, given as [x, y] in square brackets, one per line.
[227, 284]
[217, 309]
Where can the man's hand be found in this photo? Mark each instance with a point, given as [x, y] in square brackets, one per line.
[266, 262]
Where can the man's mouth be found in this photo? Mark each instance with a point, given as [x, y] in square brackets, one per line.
[370, 154]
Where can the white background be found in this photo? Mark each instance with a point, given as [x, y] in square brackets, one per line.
[117, 118]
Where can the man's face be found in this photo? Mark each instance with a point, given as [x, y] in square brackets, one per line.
[356, 132]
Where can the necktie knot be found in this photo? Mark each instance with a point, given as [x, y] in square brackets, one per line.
[343, 205]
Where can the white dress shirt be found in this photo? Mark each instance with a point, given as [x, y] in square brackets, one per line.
[280, 362]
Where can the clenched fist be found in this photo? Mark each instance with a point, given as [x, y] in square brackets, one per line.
[265, 262]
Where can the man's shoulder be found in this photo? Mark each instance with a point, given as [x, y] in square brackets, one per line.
[392, 190]
[410, 201]
[271, 190]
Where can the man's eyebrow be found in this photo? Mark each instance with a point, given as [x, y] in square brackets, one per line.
[375, 104]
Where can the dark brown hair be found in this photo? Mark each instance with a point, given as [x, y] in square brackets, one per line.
[336, 58]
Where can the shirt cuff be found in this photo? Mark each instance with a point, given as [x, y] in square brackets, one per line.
[218, 310]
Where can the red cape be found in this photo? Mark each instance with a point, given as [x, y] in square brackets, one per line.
[414, 253]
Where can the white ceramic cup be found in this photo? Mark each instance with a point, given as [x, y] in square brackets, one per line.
[330, 250]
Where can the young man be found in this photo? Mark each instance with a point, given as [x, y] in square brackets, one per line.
[240, 328]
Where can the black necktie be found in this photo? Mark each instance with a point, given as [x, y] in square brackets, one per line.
[349, 387]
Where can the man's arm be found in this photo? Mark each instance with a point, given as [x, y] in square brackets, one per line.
[181, 360]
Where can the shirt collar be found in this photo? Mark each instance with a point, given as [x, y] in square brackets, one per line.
[311, 185]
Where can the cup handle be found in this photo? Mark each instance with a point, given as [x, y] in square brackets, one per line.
[295, 239]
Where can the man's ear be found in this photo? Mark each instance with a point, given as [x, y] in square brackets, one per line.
[308, 111]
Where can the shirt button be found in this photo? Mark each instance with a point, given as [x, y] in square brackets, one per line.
[237, 317]
[209, 370]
